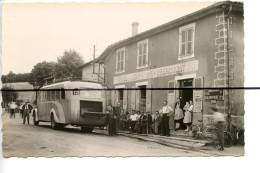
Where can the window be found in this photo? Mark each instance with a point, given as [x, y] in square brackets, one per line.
[62, 93]
[186, 41]
[57, 94]
[142, 54]
[120, 60]
[53, 95]
[48, 95]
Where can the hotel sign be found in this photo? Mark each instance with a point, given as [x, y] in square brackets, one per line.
[158, 72]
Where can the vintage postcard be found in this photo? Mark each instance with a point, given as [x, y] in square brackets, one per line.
[84, 79]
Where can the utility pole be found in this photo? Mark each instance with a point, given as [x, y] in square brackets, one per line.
[94, 52]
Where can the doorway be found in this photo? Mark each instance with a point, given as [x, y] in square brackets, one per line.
[142, 98]
[186, 94]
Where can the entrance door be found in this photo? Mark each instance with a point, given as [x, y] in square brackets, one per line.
[142, 98]
[186, 94]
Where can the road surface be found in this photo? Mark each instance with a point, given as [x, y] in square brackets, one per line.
[23, 140]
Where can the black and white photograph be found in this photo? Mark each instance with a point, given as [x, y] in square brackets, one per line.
[167, 89]
[124, 79]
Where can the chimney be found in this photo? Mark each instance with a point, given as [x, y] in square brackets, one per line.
[135, 28]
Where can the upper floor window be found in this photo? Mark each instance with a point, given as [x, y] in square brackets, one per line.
[120, 60]
[186, 41]
[142, 54]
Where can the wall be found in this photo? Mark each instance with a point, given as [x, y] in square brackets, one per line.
[164, 49]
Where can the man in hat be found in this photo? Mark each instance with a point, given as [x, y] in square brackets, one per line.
[26, 111]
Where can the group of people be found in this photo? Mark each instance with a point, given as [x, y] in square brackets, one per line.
[183, 116]
[135, 122]
[138, 122]
[24, 110]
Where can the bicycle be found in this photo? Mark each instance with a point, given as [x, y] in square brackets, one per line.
[195, 132]
[238, 135]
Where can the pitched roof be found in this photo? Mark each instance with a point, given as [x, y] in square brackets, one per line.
[236, 6]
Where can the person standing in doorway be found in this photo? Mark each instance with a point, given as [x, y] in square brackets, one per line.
[178, 118]
[117, 113]
[188, 108]
[26, 112]
[166, 111]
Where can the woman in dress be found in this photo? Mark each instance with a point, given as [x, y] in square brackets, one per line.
[187, 118]
[178, 118]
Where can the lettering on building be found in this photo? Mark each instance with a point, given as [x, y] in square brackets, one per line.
[158, 72]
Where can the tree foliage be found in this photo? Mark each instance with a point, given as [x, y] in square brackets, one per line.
[12, 77]
[9, 94]
[40, 72]
[68, 65]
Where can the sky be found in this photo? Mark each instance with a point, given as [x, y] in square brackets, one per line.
[36, 32]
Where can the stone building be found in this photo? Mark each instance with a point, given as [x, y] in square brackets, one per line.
[195, 57]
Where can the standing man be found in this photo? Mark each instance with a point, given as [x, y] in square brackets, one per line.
[133, 118]
[112, 122]
[26, 111]
[13, 106]
[117, 113]
[166, 112]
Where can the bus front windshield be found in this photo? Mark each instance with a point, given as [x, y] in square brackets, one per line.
[90, 93]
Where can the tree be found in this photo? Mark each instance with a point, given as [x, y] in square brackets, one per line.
[68, 65]
[40, 72]
[12, 77]
[9, 94]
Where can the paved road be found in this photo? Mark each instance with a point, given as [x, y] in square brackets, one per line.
[23, 140]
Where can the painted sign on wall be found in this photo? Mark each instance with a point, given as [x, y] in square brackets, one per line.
[214, 94]
[197, 94]
[158, 72]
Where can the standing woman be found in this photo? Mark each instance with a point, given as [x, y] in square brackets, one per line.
[178, 118]
[187, 117]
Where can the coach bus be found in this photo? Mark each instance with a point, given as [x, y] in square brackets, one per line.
[76, 103]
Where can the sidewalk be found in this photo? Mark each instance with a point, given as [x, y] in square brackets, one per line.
[181, 141]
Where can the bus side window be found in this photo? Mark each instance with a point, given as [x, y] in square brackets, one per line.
[53, 95]
[57, 94]
[62, 93]
[48, 95]
[44, 95]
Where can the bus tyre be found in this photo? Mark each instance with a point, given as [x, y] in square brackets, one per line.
[34, 120]
[54, 125]
[86, 129]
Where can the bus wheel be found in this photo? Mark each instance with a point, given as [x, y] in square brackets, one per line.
[87, 129]
[54, 125]
[36, 123]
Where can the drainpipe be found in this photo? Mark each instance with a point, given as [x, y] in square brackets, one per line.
[226, 17]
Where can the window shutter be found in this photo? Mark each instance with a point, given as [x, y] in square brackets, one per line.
[133, 98]
[198, 94]
[117, 62]
[198, 82]
[149, 97]
[125, 99]
[180, 42]
[137, 99]
[116, 97]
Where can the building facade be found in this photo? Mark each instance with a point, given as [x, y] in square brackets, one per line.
[198, 57]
